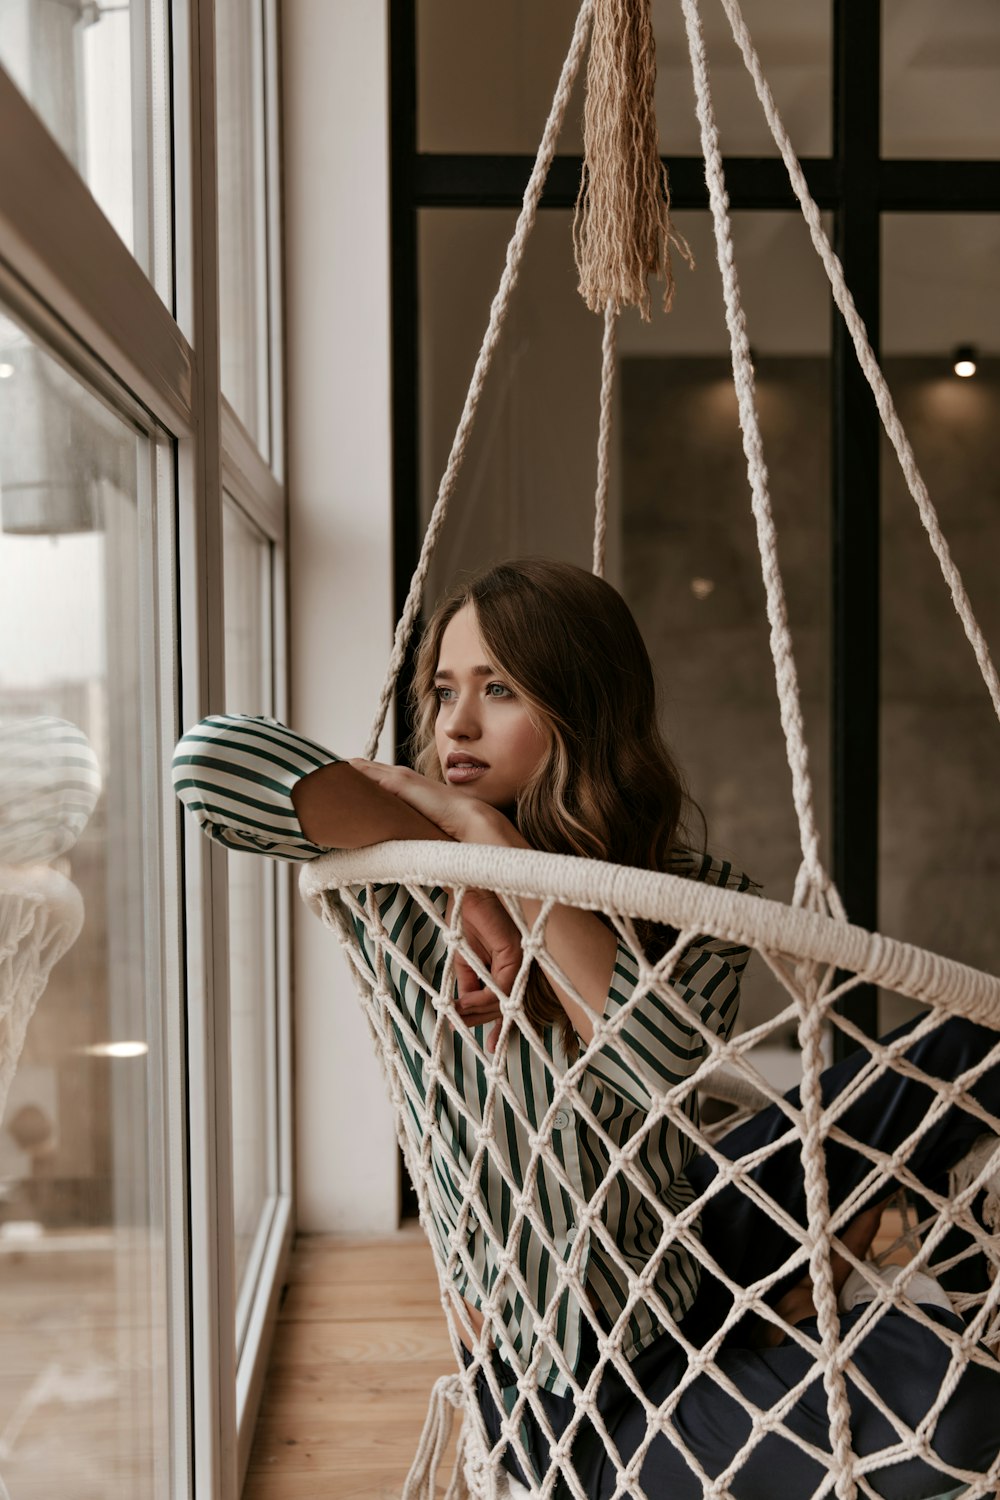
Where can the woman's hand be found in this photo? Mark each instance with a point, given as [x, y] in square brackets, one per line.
[489, 928]
[463, 817]
[494, 938]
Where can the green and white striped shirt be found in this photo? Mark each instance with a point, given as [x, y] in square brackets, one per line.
[49, 785]
[236, 774]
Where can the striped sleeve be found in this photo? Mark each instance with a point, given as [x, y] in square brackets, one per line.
[236, 773]
[50, 781]
[657, 1046]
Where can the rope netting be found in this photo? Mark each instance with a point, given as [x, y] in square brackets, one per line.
[462, 1162]
[882, 1390]
[41, 914]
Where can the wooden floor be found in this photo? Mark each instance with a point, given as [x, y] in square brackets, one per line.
[360, 1342]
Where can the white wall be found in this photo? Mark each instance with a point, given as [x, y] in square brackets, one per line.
[337, 271]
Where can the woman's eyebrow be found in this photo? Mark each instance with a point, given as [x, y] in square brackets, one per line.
[483, 671]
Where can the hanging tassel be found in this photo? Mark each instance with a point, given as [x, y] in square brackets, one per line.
[447, 1397]
[621, 231]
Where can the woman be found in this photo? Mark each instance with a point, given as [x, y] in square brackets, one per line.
[536, 728]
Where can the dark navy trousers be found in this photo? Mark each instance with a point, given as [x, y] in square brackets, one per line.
[905, 1362]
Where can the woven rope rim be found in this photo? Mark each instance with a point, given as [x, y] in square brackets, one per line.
[595, 885]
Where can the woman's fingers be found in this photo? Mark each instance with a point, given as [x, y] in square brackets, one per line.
[477, 1006]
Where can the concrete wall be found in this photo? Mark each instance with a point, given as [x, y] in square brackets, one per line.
[692, 575]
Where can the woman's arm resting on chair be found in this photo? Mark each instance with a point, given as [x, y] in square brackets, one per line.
[254, 784]
[339, 808]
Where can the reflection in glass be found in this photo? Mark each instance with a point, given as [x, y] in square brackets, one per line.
[96, 74]
[247, 589]
[242, 252]
[82, 1279]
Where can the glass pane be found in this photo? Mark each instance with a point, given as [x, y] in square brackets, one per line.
[98, 76]
[247, 588]
[682, 543]
[940, 827]
[940, 78]
[242, 268]
[84, 1349]
[487, 74]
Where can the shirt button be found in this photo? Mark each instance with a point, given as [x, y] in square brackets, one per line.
[561, 1119]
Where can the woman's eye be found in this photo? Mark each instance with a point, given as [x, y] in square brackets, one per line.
[444, 694]
[498, 690]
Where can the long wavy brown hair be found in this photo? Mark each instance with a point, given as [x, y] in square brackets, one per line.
[609, 789]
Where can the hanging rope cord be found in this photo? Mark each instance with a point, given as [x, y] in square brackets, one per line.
[866, 357]
[604, 438]
[498, 313]
[813, 886]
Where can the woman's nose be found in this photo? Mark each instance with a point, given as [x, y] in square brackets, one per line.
[463, 720]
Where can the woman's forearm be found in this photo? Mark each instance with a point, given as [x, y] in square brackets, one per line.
[578, 941]
[339, 808]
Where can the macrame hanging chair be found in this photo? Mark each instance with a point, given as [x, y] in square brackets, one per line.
[49, 784]
[623, 235]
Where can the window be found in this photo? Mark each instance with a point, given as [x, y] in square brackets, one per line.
[83, 1206]
[140, 1360]
[248, 562]
[97, 74]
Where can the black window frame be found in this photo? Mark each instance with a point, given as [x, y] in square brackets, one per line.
[857, 185]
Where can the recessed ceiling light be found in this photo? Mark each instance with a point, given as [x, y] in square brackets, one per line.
[702, 587]
[963, 361]
[6, 371]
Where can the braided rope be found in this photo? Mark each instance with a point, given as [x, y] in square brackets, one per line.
[866, 358]
[604, 437]
[498, 312]
[688, 905]
[814, 884]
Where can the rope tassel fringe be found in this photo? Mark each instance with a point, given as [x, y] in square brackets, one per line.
[447, 1397]
[621, 231]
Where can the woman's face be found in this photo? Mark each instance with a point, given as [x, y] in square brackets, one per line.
[487, 743]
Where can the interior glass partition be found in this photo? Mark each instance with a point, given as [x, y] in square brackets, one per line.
[894, 110]
[940, 808]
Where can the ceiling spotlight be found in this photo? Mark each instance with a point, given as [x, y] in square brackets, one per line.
[6, 371]
[963, 361]
[702, 587]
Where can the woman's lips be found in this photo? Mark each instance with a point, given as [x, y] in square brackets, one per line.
[461, 769]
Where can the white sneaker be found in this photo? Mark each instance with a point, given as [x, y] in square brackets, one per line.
[919, 1287]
